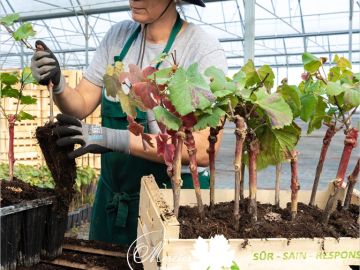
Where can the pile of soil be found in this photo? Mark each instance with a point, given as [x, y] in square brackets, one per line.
[272, 222]
[91, 260]
[16, 191]
[63, 169]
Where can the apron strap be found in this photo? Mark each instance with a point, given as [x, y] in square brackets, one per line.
[175, 30]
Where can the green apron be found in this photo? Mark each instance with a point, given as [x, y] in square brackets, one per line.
[116, 206]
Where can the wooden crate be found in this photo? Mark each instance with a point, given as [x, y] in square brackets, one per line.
[26, 148]
[158, 240]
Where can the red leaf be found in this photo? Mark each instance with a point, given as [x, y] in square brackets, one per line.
[137, 130]
[134, 127]
[165, 149]
[189, 120]
[148, 71]
[148, 93]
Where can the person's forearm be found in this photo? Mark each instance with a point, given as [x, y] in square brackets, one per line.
[71, 102]
[79, 102]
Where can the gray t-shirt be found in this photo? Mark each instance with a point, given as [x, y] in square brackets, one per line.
[191, 45]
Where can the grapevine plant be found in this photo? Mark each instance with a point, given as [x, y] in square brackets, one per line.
[184, 101]
[330, 99]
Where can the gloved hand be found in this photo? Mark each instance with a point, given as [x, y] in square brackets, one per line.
[92, 138]
[45, 67]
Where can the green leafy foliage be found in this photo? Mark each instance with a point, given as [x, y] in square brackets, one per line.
[24, 116]
[291, 95]
[319, 115]
[308, 103]
[10, 92]
[27, 77]
[275, 143]
[276, 108]
[9, 19]
[167, 118]
[251, 76]
[352, 96]
[342, 63]
[311, 62]
[9, 78]
[24, 32]
[210, 120]
[266, 72]
[188, 90]
[219, 85]
[27, 100]
[328, 97]
[334, 88]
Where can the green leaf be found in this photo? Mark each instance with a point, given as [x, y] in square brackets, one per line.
[8, 91]
[9, 78]
[269, 82]
[209, 120]
[308, 104]
[24, 116]
[318, 116]
[274, 143]
[126, 103]
[162, 76]
[24, 32]
[352, 96]
[342, 62]
[334, 74]
[188, 91]
[26, 76]
[167, 118]
[240, 79]
[218, 82]
[27, 100]
[275, 107]
[9, 19]
[234, 266]
[252, 77]
[334, 88]
[311, 62]
[291, 95]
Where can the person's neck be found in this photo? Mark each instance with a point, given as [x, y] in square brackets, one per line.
[159, 31]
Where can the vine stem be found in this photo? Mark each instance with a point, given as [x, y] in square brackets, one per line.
[330, 132]
[191, 148]
[349, 144]
[254, 149]
[176, 177]
[352, 179]
[294, 184]
[240, 133]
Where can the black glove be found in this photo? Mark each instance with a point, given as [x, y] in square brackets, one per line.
[92, 138]
[45, 67]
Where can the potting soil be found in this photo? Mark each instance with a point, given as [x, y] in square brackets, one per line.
[272, 222]
[16, 191]
[63, 169]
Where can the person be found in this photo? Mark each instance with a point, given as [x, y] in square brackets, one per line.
[156, 25]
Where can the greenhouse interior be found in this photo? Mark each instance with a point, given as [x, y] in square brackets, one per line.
[179, 134]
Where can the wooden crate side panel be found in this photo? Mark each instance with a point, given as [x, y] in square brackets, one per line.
[296, 254]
